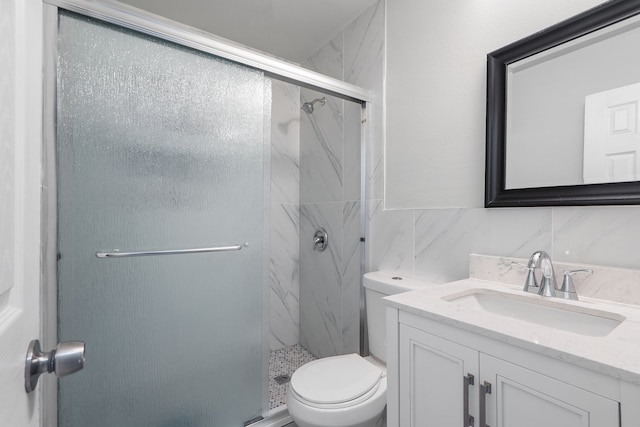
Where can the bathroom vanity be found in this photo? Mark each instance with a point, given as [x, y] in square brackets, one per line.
[479, 353]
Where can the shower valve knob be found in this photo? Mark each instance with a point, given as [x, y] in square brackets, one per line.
[320, 240]
[67, 358]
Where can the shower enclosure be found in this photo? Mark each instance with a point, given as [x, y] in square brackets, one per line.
[166, 221]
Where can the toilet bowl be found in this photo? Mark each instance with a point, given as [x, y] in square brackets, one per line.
[338, 391]
[350, 390]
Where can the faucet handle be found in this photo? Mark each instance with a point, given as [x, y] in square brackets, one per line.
[530, 283]
[567, 290]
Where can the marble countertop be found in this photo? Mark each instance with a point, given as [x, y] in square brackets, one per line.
[616, 354]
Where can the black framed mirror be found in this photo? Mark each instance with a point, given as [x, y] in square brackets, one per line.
[512, 181]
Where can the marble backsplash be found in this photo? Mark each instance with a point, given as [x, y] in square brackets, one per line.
[434, 244]
[607, 283]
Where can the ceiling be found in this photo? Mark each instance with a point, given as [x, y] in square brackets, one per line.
[289, 29]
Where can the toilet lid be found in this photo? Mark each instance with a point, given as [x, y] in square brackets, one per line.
[335, 379]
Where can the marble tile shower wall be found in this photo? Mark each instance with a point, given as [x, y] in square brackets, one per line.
[285, 190]
[329, 198]
[330, 187]
[435, 244]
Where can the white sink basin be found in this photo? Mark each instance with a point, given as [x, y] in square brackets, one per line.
[539, 310]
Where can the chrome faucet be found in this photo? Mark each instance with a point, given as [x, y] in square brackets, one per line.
[548, 285]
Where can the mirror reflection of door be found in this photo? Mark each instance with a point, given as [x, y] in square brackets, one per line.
[611, 138]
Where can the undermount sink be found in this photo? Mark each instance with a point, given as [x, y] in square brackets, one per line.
[539, 310]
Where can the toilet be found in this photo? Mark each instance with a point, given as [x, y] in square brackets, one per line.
[350, 390]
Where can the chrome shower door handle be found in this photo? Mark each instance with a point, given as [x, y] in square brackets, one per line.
[66, 359]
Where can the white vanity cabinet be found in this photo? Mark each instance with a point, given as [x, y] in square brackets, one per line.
[430, 367]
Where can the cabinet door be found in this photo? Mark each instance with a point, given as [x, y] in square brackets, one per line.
[432, 388]
[523, 398]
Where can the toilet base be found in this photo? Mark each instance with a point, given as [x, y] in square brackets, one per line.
[379, 421]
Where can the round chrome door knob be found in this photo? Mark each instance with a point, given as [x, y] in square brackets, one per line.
[67, 358]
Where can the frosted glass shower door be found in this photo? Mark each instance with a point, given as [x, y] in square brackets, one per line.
[159, 148]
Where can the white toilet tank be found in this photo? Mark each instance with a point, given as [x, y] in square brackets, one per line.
[379, 284]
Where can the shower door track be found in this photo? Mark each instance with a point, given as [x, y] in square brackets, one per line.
[156, 26]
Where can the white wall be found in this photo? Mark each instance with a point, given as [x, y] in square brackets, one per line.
[436, 89]
[435, 141]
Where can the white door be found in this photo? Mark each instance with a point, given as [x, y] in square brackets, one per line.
[20, 147]
[611, 138]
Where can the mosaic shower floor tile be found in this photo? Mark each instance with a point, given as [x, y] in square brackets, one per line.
[282, 363]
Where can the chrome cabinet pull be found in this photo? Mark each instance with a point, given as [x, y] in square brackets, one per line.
[169, 252]
[484, 390]
[467, 418]
[67, 358]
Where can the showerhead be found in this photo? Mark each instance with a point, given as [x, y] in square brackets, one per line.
[307, 107]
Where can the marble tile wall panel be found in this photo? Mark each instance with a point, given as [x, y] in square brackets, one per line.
[285, 143]
[390, 239]
[285, 191]
[364, 49]
[364, 66]
[328, 60]
[445, 238]
[284, 276]
[352, 151]
[597, 235]
[351, 276]
[321, 280]
[375, 152]
[321, 150]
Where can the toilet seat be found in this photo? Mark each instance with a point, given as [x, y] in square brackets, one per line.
[341, 405]
[365, 410]
[336, 382]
